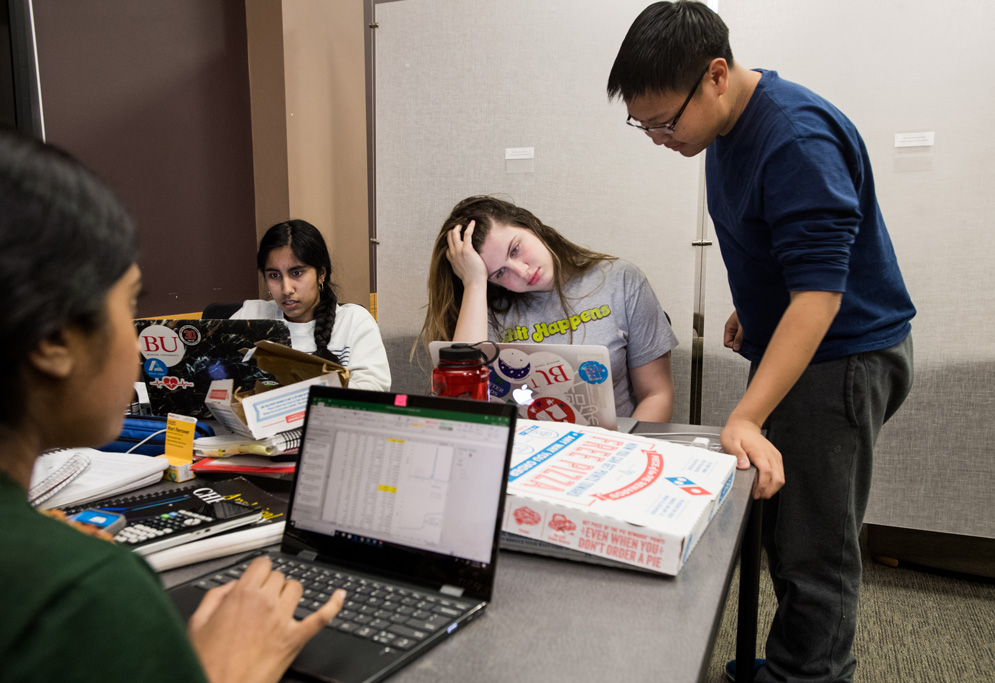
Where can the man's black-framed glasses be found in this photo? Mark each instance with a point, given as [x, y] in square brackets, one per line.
[669, 127]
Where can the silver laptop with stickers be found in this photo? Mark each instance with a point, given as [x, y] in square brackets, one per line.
[556, 382]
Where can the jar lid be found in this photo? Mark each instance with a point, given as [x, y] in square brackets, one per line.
[461, 353]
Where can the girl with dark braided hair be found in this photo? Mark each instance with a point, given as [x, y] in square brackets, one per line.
[295, 264]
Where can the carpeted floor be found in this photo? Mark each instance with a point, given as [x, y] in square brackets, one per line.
[914, 625]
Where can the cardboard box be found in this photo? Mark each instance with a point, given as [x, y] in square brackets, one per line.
[523, 544]
[266, 411]
[629, 499]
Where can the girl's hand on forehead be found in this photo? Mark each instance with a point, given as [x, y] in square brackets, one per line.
[466, 262]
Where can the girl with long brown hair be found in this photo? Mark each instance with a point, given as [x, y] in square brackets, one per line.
[499, 273]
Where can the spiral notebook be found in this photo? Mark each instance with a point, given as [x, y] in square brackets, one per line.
[174, 516]
[73, 476]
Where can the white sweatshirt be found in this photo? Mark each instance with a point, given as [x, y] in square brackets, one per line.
[355, 340]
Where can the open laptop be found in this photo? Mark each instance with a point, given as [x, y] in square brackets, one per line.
[398, 499]
[557, 382]
[181, 357]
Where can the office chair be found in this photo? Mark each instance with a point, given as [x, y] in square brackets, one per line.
[219, 310]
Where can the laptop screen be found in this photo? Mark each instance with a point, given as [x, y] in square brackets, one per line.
[411, 486]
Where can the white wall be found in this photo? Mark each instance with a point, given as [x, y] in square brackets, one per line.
[460, 80]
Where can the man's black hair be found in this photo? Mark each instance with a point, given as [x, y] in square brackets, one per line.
[666, 49]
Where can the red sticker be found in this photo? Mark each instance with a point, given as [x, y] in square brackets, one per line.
[171, 383]
[553, 409]
[401, 400]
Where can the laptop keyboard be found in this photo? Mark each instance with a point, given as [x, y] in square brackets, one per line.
[381, 612]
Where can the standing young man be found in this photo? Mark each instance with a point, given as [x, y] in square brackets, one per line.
[821, 310]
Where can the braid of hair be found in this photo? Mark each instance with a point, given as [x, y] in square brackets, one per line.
[324, 321]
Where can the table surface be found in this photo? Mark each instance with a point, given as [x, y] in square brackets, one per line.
[562, 620]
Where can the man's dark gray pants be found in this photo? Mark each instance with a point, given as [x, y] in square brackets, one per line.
[825, 429]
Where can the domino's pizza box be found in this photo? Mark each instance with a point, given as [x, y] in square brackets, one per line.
[266, 410]
[523, 544]
[637, 501]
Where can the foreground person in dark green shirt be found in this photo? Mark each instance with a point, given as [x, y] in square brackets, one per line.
[74, 607]
[79, 608]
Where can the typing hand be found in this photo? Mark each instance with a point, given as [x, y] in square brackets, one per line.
[743, 439]
[245, 631]
[465, 260]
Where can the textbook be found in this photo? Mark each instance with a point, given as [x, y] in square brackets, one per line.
[630, 499]
[173, 516]
[267, 531]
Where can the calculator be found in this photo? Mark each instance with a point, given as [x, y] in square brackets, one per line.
[170, 517]
[162, 525]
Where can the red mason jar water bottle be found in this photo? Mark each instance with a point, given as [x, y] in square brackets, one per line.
[462, 372]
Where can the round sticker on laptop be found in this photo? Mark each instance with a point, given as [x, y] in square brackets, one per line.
[154, 368]
[161, 343]
[189, 335]
[499, 387]
[553, 409]
[592, 372]
[513, 365]
[551, 374]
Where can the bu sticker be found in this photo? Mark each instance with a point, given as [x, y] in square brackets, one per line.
[551, 374]
[161, 343]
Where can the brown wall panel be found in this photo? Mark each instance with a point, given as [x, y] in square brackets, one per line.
[155, 98]
[307, 75]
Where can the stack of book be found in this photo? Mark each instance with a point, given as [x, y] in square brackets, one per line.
[274, 455]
